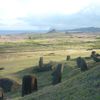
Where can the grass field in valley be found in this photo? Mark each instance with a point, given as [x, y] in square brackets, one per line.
[19, 56]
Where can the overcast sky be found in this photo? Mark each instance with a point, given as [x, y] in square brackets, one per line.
[35, 14]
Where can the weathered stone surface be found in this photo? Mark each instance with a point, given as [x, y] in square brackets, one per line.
[57, 75]
[29, 84]
[8, 85]
[81, 64]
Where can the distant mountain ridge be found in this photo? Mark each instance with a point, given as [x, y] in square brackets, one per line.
[85, 29]
[76, 30]
[53, 30]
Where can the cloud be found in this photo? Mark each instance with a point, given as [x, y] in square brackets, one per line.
[89, 16]
[22, 8]
[58, 13]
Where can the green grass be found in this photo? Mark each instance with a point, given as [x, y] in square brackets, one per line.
[21, 57]
[52, 42]
[81, 86]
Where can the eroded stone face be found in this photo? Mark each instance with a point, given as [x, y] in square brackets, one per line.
[57, 75]
[81, 63]
[8, 85]
[29, 84]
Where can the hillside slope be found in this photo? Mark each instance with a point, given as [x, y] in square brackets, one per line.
[84, 86]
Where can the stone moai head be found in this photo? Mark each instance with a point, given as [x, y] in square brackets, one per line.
[41, 62]
[81, 63]
[29, 84]
[68, 57]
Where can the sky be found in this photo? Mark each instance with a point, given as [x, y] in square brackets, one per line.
[45, 14]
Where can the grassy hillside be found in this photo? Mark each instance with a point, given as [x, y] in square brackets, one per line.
[19, 58]
[83, 86]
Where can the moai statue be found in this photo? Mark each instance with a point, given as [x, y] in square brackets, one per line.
[57, 75]
[1, 94]
[29, 84]
[78, 61]
[93, 54]
[96, 57]
[8, 85]
[41, 62]
[81, 64]
[68, 57]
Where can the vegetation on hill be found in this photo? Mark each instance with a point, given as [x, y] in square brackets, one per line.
[80, 86]
[54, 41]
[20, 58]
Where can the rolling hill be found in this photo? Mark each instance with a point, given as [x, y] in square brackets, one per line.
[80, 86]
[85, 30]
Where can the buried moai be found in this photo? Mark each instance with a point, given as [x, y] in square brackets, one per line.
[81, 64]
[68, 58]
[57, 75]
[9, 85]
[95, 56]
[6, 84]
[41, 62]
[1, 94]
[29, 84]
